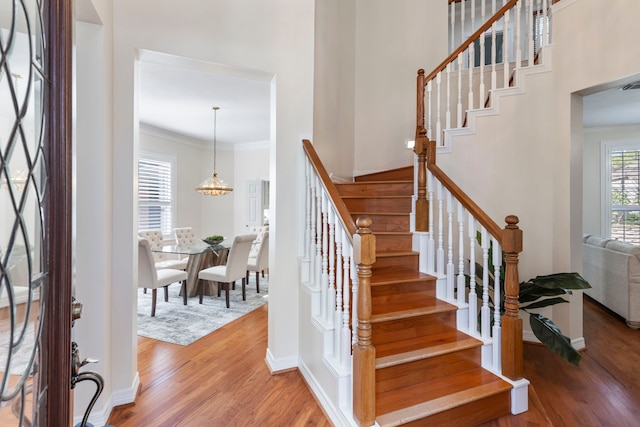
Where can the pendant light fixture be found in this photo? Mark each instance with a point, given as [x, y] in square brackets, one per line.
[214, 186]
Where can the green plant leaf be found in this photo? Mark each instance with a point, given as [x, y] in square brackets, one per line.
[538, 293]
[549, 334]
[560, 281]
[544, 303]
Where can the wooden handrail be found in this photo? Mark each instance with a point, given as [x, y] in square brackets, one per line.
[342, 211]
[484, 27]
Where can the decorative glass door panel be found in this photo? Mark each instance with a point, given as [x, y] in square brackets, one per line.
[23, 185]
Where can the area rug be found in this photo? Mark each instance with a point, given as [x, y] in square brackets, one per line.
[180, 324]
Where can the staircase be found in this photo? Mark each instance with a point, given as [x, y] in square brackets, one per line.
[427, 371]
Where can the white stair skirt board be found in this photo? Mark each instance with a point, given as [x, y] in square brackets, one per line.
[337, 415]
[520, 74]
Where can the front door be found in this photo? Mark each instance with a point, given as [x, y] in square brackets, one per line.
[35, 212]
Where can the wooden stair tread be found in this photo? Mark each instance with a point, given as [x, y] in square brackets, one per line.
[398, 274]
[374, 196]
[410, 309]
[395, 253]
[380, 213]
[422, 400]
[384, 181]
[393, 233]
[422, 347]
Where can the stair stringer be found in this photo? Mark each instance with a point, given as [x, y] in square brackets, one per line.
[520, 77]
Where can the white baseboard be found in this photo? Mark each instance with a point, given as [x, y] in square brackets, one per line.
[120, 397]
[577, 343]
[282, 364]
[331, 411]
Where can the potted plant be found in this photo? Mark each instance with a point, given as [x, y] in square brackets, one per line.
[535, 293]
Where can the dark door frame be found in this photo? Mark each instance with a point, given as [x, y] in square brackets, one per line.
[56, 340]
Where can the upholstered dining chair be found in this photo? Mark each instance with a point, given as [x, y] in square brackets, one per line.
[234, 269]
[258, 257]
[151, 278]
[161, 261]
[184, 237]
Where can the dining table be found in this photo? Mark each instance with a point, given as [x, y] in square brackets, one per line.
[201, 255]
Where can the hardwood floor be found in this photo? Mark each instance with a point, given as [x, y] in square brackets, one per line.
[222, 380]
[603, 391]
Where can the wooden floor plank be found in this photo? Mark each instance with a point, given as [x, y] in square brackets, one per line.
[222, 379]
[219, 380]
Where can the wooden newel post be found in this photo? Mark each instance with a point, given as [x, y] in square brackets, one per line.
[421, 149]
[364, 354]
[512, 356]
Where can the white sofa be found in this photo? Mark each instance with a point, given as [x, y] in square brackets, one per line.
[612, 268]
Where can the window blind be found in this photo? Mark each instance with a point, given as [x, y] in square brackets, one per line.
[155, 195]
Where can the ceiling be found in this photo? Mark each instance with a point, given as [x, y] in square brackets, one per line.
[177, 96]
[612, 107]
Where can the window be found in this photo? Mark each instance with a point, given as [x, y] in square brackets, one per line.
[156, 193]
[622, 190]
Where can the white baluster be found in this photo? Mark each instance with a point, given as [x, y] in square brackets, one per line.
[429, 98]
[497, 298]
[461, 277]
[518, 33]
[530, 54]
[494, 27]
[473, 298]
[447, 123]
[325, 257]
[307, 204]
[462, 14]
[438, 108]
[485, 312]
[545, 23]
[312, 235]
[431, 248]
[470, 88]
[473, 15]
[337, 321]
[331, 294]
[459, 106]
[452, 24]
[505, 48]
[440, 253]
[450, 266]
[481, 89]
[317, 219]
[346, 330]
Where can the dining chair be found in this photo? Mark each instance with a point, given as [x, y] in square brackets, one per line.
[258, 257]
[234, 269]
[161, 261]
[152, 278]
[184, 237]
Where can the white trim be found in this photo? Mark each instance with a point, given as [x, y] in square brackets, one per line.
[577, 343]
[336, 416]
[279, 365]
[117, 398]
[609, 129]
[199, 143]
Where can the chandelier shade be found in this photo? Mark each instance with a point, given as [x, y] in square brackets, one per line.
[214, 186]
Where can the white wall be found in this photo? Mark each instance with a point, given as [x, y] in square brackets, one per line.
[592, 172]
[93, 206]
[532, 164]
[334, 85]
[274, 37]
[393, 40]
